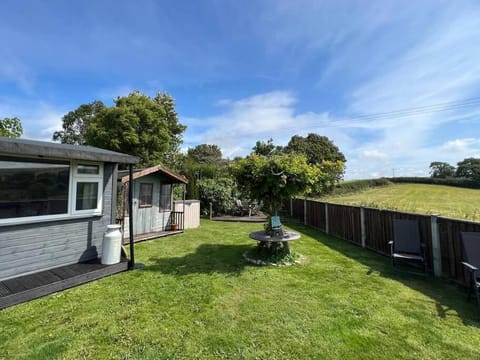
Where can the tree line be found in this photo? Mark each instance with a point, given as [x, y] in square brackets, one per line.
[149, 128]
[468, 168]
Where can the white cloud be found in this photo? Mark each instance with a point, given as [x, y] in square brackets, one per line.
[461, 145]
[259, 117]
[39, 119]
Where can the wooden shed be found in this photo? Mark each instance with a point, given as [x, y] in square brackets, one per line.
[154, 213]
[55, 203]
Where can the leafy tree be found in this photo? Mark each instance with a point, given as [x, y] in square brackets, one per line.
[266, 148]
[11, 127]
[316, 148]
[75, 123]
[270, 179]
[172, 156]
[469, 168]
[440, 169]
[136, 125]
[205, 154]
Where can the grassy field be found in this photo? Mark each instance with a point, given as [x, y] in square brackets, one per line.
[448, 201]
[198, 299]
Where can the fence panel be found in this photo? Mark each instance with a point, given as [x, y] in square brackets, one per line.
[316, 214]
[298, 208]
[451, 247]
[344, 222]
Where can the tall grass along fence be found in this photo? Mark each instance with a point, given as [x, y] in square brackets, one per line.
[372, 229]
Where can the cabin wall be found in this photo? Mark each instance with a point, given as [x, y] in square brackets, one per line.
[29, 248]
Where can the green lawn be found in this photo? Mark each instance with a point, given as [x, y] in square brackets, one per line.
[448, 201]
[198, 299]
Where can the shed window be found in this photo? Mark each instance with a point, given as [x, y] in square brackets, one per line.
[166, 197]
[33, 188]
[146, 195]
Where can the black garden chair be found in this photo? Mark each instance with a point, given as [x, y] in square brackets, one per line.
[471, 255]
[406, 244]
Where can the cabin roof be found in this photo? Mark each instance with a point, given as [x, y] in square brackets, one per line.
[43, 149]
[176, 178]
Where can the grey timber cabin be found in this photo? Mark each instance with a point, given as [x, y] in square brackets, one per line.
[153, 208]
[56, 201]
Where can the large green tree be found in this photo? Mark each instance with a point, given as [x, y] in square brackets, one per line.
[266, 148]
[137, 124]
[273, 178]
[75, 123]
[469, 168]
[320, 151]
[11, 127]
[206, 154]
[316, 148]
[439, 169]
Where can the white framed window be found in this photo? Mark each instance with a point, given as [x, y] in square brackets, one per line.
[87, 183]
[36, 190]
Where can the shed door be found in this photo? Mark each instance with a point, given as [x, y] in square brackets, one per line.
[143, 207]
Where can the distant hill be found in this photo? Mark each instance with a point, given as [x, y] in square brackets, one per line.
[447, 201]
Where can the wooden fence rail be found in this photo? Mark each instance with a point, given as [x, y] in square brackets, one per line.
[372, 229]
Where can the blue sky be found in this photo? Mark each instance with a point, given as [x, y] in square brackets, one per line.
[242, 71]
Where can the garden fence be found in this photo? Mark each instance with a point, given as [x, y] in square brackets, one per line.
[372, 229]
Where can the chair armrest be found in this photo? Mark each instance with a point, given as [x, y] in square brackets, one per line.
[469, 266]
[390, 242]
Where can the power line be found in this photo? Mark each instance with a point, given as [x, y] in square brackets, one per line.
[401, 113]
[424, 109]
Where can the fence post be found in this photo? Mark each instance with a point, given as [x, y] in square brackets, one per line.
[305, 211]
[362, 226]
[291, 207]
[436, 250]
[326, 219]
[211, 215]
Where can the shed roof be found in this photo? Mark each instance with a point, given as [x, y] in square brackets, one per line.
[177, 178]
[64, 151]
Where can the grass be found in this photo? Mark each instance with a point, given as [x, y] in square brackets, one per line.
[448, 201]
[198, 299]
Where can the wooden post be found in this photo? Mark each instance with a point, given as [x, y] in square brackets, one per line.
[131, 264]
[305, 211]
[436, 250]
[184, 188]
[362, 226]
[291, 207]
[327, 230]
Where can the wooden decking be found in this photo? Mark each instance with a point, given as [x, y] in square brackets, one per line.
[151, 235]
[253, 218]
[24, 288]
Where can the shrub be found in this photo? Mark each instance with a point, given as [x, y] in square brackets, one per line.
[221, 192]
[450, 181]
[358, 185]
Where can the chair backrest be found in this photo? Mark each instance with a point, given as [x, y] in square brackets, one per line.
[239, 202]
[406, 236]
[471, 247]
[276, 222]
